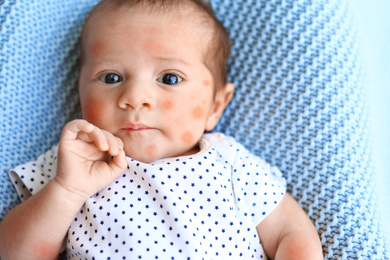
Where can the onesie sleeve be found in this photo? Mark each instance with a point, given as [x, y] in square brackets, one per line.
[31, 177]
[258, 187]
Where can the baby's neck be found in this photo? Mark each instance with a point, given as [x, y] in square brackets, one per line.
[193, 150]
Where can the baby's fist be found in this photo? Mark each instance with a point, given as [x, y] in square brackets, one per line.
[83, 167]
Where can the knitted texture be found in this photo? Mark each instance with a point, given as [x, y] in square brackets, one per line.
[300, 103]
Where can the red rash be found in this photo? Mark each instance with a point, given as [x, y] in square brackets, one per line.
[97, 48]
[154, 48]
[42, 249]
[112, 24]
[187, 137]
[150, 150]
[168, 104]
[197, 112]
[150, 45]
[92, 110]
[206, 82]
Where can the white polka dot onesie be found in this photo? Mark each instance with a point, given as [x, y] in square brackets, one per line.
[203, 206]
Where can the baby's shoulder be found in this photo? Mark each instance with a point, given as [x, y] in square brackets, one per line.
[220, 140]
[227, 147]
[32, 176]
[45, 163]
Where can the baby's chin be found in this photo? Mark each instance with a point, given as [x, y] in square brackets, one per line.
[152, 154]
[148, 154]
[141, 157]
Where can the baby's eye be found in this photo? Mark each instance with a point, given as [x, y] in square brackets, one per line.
[169, 79]
[111, 78]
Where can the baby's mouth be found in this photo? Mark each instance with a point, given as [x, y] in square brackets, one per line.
[135, 127]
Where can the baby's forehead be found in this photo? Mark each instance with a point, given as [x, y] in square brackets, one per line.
[183, 16]
[178, 10]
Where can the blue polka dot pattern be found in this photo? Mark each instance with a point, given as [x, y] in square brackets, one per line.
[202, 206]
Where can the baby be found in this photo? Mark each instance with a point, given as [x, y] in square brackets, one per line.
[137, 177]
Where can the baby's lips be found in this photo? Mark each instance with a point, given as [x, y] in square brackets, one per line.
[134, 127]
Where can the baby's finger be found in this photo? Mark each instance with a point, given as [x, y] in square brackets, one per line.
[113, 145]
[86, 132]
[73, 128]
[99, 138]
[120, 142]
[84, 137]
[118, 163]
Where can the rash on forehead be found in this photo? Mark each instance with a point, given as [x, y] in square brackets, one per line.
[97, 48]
[146, 34]
[154, 47]
[188, 14]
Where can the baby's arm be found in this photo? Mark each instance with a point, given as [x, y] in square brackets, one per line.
[36, 228]
[287, 233]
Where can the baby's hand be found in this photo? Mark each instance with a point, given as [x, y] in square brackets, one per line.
[82, 167]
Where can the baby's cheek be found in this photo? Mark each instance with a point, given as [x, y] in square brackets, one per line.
[197, 113]
[168, 104]
[93, 110]
[187, 137]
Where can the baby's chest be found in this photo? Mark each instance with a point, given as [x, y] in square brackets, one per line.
[192, 211]
[179, 196]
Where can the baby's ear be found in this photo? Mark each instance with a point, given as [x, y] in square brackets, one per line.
[222, 99]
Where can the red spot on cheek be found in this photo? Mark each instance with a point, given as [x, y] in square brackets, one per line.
[206, 82]
[93, 110]
[97, 48]
[168, 104]
[187, 137]
[197, 112]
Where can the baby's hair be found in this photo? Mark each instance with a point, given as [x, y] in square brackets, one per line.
[218, 50]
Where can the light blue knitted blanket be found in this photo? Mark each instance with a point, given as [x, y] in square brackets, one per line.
[300, 103]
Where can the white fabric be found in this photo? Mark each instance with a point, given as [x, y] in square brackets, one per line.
[201, 206]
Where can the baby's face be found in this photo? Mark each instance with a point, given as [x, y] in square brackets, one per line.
[143, 79]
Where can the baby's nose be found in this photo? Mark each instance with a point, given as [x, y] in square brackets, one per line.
[136, 95]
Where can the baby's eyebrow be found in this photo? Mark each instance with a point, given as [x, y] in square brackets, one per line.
[172, 60]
